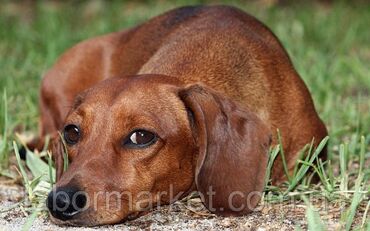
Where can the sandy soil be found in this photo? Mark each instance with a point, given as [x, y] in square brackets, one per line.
[188, 214]
[185, 215]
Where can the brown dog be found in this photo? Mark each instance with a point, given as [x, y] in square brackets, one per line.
[197, 98]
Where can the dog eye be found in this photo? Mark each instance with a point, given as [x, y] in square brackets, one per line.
[71, 134]
[140, 139]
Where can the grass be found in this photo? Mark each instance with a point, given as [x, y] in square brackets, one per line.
[4, 152]
[328, 44]
[331, 189]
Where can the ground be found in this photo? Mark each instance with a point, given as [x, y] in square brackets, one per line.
[186, 214]
[328, 42]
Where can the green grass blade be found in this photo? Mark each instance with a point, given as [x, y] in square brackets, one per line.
[29, 222]
[272, 157]
[313, 217]
[330, 172]
[20, 164]
[343, 150]
[362, 154]
[35, 181]
[350, 213]
[325, 179]
[300, 157]
[51, 169]
[5, 108]
[364, 217]
[4, 154]
[23, 171]
[37, 166]
[283, 156]
[305, 167]
[65, 153]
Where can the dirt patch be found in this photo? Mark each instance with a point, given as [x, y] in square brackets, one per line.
[188, 214]
[173, 217]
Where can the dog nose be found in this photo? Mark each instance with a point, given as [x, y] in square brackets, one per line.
[65, 202]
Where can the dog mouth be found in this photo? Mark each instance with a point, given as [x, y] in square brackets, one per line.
[64, 216]
[90, 219]
[134, 215]
[77, 219]
[73, 218]
[65, 219]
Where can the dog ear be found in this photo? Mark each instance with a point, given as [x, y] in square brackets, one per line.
[56, 147]
[233, 151]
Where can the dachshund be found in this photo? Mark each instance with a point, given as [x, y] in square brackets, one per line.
[190, 100]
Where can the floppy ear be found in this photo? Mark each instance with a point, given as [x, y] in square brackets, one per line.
[56, 146]
[233, 151]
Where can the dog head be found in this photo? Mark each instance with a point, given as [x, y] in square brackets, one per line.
[135, 143]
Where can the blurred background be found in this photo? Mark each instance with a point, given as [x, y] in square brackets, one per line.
[328, 41]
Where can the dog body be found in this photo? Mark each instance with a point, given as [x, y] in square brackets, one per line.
[213, 83]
